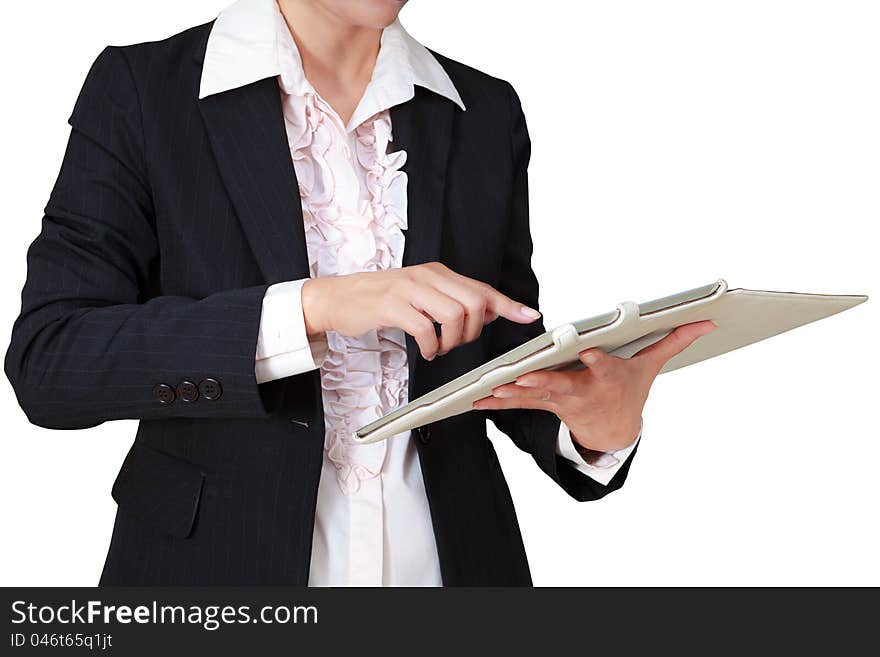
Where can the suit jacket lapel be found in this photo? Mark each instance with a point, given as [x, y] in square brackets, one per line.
[246, 130]
[423, 128]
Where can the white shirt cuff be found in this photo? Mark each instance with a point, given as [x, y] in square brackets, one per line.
[603, 468]
[283, 348]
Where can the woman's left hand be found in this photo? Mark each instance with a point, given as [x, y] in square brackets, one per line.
[602, 404]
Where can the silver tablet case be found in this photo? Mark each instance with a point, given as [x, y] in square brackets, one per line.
[743, 317]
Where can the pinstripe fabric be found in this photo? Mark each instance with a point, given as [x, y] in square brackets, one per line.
[169, 219]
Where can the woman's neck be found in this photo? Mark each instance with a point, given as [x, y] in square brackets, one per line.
[337, 57]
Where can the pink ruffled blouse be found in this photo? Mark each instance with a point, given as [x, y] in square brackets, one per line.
[354, 208]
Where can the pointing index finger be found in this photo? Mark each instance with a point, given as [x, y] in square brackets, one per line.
[506, 307]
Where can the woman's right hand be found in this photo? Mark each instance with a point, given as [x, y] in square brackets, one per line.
[411, 299]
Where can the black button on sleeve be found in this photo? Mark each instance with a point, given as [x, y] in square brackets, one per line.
[424, 435]
[210, 389]
[163, 393]
[188, 391]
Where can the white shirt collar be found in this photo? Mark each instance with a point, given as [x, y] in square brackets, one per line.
[243, 48]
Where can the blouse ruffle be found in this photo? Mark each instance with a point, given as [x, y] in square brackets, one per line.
[352, 224]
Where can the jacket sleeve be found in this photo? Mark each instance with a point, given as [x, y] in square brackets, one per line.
[533, 431]
[92, 343]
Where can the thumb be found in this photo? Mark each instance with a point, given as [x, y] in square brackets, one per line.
[676, 342]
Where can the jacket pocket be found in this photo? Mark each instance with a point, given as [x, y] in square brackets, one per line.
[160, 489]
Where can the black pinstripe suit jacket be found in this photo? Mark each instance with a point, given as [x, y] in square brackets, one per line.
[169, 219]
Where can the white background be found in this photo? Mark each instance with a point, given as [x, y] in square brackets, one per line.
[673, 143]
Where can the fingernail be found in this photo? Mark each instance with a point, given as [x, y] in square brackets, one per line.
[525, 383]
[531, 313]
[589, 358]
[502, 394]
[431, 358]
